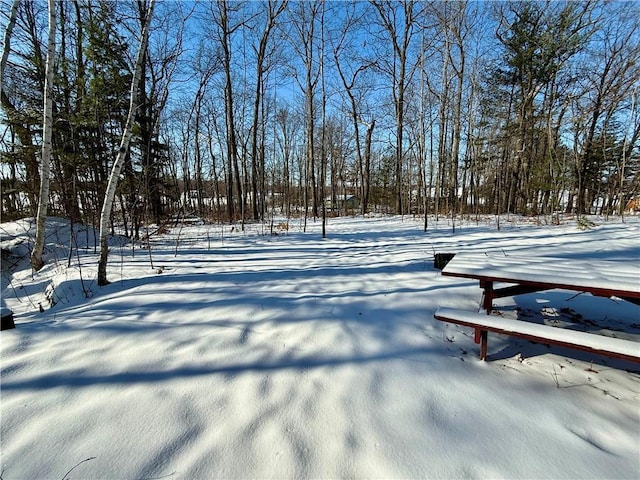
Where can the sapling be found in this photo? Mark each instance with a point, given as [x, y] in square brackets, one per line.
[149, 244]
[554, 375]
[177, 239]
[85, 290]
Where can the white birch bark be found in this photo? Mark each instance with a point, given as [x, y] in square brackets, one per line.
[37, 261]
[114, 177]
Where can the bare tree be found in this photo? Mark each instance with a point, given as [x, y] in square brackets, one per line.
[399, 20]
[107, 206]
[205, 65]
[162, 61]
[286, 134]
[19, 122]
[452, 26]
[351, 67]
[7, 37]
[323, 112]
[11, 21]
[274, 9]
[304, 42]
[222, 12]
[612, 70]
[37, 261]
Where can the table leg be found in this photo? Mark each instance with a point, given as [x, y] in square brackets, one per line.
[483, 344]
[487, 295]
[487, 304]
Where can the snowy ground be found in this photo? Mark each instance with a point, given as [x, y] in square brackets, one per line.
[246, 355]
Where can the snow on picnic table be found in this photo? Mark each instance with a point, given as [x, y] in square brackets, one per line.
[245, 355]
[592, 275]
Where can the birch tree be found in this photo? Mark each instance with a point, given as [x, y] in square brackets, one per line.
[38, 248]
[107, 206]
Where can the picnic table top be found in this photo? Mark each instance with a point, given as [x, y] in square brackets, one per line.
[604, 278]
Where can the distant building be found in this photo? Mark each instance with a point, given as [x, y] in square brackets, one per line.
[342, 202]
[633, 205]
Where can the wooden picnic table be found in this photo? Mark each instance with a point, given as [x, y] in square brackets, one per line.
[528, 274]
[532, 274]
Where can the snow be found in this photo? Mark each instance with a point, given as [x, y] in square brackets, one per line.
[230, 354]
[591, 274]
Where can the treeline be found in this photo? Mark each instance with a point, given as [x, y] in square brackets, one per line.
[246, 109]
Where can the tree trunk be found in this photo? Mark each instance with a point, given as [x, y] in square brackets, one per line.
[107, 206]
[7, 37]
[38, 248]
[401, 40]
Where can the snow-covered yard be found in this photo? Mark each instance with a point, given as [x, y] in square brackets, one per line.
[245, 355]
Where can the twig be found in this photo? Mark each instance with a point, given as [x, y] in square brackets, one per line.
[75, 466]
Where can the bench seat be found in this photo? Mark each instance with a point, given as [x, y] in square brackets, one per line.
[588, 342]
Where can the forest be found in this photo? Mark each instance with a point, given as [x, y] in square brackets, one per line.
[130, 113]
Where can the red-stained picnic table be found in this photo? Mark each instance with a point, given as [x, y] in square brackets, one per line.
[527, 274]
